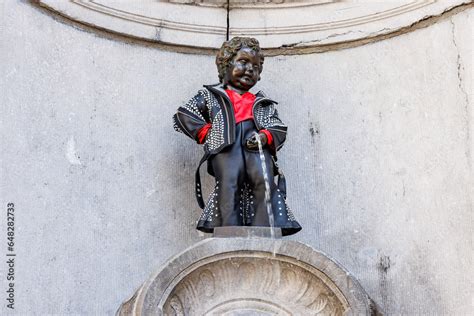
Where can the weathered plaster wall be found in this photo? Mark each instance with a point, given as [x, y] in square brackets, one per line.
[378, 161]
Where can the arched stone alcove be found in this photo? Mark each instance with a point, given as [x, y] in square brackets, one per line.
[281, 26]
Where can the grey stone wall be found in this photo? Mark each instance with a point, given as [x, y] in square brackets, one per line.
[378, 161]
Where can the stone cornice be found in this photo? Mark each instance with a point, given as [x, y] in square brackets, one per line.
[291, 29]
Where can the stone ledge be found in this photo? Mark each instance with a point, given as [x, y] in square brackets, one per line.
[246, 232]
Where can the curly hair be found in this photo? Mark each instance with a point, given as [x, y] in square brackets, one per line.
[230, 48]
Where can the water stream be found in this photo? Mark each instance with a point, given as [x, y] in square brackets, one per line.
[268, 201]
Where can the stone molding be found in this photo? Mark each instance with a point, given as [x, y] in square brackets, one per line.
[251, 4]
[289, 24]
[231, 276]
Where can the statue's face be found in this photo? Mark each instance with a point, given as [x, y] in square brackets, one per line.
[244, 70]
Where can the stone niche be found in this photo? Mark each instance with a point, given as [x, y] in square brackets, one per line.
[250, 276]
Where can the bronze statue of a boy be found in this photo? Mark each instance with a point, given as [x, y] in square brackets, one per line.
[226, 118]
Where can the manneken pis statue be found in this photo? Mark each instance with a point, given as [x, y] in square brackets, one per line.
[226, 118]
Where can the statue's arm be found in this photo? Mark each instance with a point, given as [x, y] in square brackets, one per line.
[277, 128]
[192, 117]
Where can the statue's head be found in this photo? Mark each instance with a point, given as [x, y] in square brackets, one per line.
[240, 62]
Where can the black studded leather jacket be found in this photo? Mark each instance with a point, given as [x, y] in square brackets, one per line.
[212, 105]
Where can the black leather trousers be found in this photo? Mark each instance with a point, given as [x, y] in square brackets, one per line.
[235, 167]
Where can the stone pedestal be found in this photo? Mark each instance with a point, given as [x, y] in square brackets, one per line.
[250, 274]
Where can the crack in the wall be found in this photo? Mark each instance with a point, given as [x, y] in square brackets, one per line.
[467, 113]
[228, 21]
[297, 44]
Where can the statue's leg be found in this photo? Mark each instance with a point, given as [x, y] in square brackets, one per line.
[228, 167]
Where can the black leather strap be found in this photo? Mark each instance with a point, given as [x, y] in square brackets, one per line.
[198, 186]
[281, 182]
